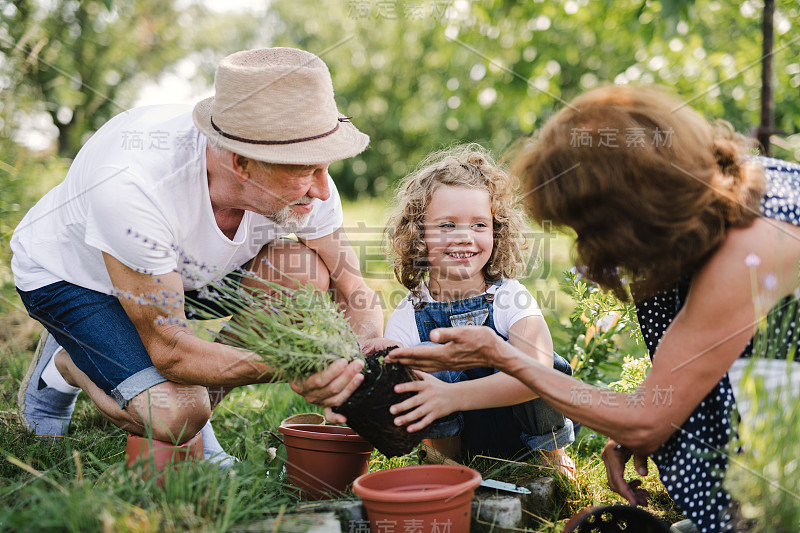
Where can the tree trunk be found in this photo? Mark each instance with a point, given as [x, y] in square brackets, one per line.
[767, 105]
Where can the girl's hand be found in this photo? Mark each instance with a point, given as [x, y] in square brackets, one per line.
[433, 400]
[615, 456]
[461, 348]
[370, 346]
[333, 385]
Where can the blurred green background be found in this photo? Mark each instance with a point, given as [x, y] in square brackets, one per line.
[416, 75]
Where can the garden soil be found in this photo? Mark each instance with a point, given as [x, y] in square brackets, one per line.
[367, 409]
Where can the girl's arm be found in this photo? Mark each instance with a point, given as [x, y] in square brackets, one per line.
[706, 337]
[435, 399]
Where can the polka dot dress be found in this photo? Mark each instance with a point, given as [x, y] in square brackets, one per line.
[692, 463]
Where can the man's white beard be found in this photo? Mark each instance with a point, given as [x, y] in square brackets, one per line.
[289, 220]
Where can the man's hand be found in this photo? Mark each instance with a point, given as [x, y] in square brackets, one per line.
[615, 456]
[332, 386]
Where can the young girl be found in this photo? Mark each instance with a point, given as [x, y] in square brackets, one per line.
[457, 239]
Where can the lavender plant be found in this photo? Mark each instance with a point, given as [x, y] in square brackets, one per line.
[296, 332]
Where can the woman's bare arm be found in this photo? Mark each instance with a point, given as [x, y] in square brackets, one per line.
[705, 338]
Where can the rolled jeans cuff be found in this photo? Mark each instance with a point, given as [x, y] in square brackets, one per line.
[559, 438]
[448, 426]
[135, 385]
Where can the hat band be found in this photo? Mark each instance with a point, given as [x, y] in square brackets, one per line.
[289, 141]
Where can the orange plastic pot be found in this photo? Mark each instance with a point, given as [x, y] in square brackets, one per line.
[421, 498]
[322, 461]
[162, 454]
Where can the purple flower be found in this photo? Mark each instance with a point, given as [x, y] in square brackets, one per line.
[752, 260]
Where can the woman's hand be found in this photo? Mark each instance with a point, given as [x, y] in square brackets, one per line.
[615, 456]
[461, 348]
[433, 400]
[332, 386]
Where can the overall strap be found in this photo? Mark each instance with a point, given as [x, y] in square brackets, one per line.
[476, 310]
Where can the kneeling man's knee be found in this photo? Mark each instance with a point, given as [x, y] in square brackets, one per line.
[181, 424]
[290, 263]
[174, 412]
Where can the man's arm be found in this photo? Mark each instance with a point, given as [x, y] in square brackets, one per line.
[176, 353]
[360, 303]
[184, 358]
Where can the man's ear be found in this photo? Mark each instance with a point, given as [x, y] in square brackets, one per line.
[240, 167]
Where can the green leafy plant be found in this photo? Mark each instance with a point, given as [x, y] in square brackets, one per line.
[763, 478]
[763, 473]
[595, 329]
[634, 370]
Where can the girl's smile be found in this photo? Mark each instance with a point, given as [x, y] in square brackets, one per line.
[462, 255]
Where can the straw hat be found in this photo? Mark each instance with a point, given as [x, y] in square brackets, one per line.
[276, 105]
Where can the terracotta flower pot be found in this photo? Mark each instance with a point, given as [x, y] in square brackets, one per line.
[323, 461]
[162, 453]
[420, 498]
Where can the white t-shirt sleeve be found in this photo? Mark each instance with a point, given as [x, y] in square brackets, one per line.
[123, 221]
[326, 218]
[512, 303]
[401, 326]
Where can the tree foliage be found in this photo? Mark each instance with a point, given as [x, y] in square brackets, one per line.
[417, 75]
[77, 64]
[83, 62]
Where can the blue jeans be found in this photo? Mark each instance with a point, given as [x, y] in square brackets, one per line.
[98, 335]
[506, 432]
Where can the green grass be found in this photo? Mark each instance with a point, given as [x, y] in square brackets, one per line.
[80, 483]
[84, 485]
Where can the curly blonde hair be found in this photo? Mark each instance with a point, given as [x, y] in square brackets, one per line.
[652, 211]
[467, 165]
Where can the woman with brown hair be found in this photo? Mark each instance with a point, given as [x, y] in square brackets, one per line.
[657, 195]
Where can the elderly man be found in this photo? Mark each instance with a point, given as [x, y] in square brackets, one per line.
[165, 200]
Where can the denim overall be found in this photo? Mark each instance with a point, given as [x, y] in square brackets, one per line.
[503, 432]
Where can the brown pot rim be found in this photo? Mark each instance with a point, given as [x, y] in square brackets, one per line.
[304, 418]
[449, 491]
[319, 432]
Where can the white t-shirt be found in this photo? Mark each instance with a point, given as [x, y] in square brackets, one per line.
[512, 302]
[138, 190]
